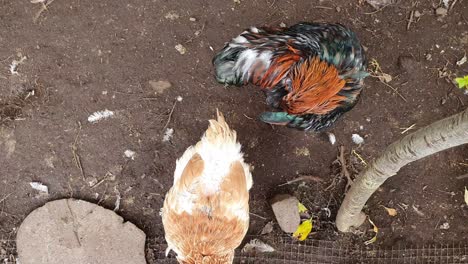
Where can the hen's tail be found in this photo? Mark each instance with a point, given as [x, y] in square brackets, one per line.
[225, 65]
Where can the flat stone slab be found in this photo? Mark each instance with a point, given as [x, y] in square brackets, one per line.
[78, 232]
[285, 208]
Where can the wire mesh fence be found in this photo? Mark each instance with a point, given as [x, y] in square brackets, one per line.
[311, 251]
[329, 252]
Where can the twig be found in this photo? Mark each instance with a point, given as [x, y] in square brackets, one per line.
[303, 178]
[43, 8]
[376, 11]
[359, 157]
[453, 4]
[344, 168]
[408, 128]
[396, 91]
[261, 217]
[323, 7]
[76, 157]
[101, 181]
[410, 20]
[462, 177]
[196, 36]
[4, 198]
[170, 114]
[248, 117]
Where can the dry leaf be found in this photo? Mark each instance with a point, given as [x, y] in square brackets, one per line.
[256, 245]
[376, 231]
[385, 77]
[462, 61]
[466, 196]
[303, 230]
[390, 211]
[268, 228]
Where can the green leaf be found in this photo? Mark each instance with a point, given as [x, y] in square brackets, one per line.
[302, 208]
[462, 82]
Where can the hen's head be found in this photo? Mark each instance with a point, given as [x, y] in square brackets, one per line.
[314, 88]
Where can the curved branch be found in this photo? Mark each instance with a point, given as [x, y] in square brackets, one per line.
[441, 135]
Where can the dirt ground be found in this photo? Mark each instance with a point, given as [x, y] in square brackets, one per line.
[87, 56]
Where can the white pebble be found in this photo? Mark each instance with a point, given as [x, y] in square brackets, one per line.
[357, 139]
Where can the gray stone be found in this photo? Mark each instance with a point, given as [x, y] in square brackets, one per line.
[286, 212]
[77, 232]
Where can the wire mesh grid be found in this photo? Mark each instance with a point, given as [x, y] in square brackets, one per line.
[310, 251]
[329, 252]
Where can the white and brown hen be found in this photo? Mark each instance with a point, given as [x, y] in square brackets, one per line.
[206, 212]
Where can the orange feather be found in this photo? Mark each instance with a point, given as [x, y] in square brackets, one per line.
[314, 89]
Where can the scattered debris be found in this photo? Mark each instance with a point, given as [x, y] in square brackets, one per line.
[268, 228]
[462, 61]
[237, 1]
[130, 154]
[390, 211]
[344, 168]
[444, 226]
[446, 3]
[466, 196]
[286, 212]
[441, 11]
[376, 231]
[192, 19]
[117, 200]
[357, 139]
[282, 24]
[14, 65]
[256, 245]
[168, 134]
[376, 72]
[96, 116]
[160, 86]
[378, 4]
[39, 187]
[45, 5]
[172, 15]
[419, 212]
[363, 161]
[302, 152]
[303, 230]
[181, 49]
[303, 178]
[332, 138]
[406, 129]
[179, 98]
[301, 208]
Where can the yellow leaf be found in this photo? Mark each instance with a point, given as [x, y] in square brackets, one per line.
[390, 211]
[302, 208]
[376, 231]
[303, 230]
[466, 196]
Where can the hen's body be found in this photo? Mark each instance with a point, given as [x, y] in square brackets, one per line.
[312, 71]
[206, 212]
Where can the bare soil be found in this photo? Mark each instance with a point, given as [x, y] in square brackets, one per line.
[87, 56]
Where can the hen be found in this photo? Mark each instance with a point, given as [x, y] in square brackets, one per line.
[206, 212]
[313, 72]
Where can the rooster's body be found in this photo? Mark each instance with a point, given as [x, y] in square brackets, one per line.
[206, 212]
[313, 72]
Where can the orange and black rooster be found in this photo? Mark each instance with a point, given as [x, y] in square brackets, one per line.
[313, 72]
[206, 212]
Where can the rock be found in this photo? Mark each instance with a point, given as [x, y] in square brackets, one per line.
[286, 212]
[160, 86]
[441, 11]
[75, 232]
[377, 4]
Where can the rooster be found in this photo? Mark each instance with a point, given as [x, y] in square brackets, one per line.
[206, 212]
[313, 72]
